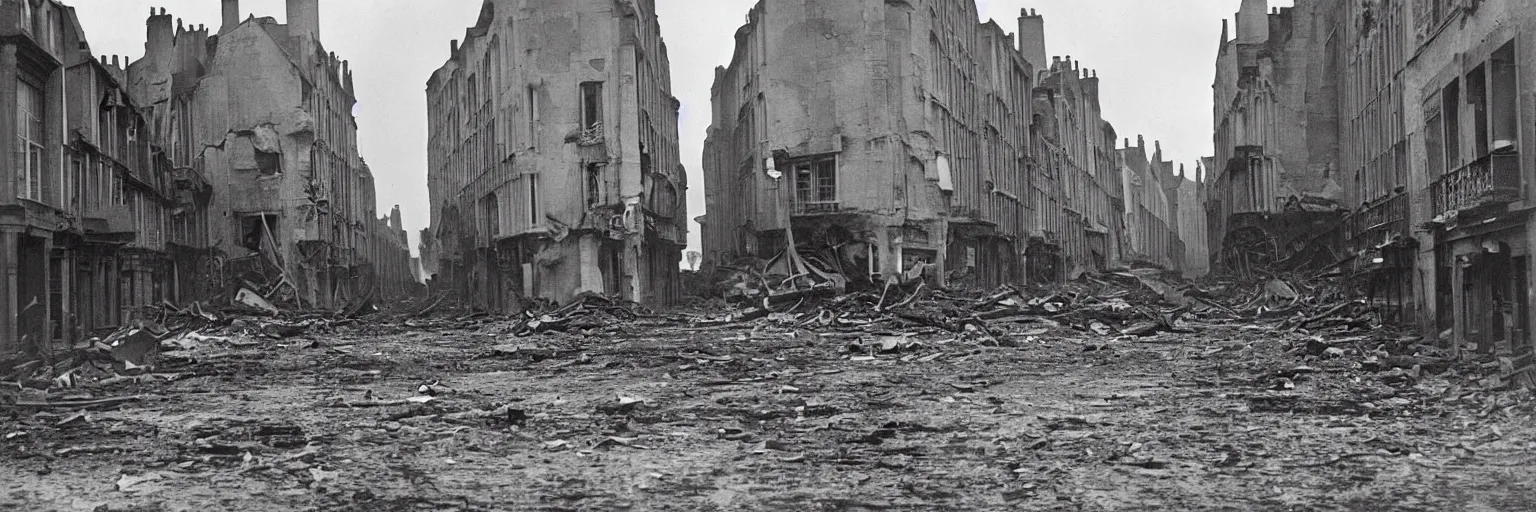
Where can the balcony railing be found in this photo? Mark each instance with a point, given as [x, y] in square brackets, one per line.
[815, 207]
[1492, 179]
[1372, 226]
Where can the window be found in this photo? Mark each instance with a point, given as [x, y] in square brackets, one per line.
[533, 200]
[533, 116]
[1450, 114]
[29, 131]
[1506, 106]
[816, 181]
[473, 93]
[594, 184]
[1477, 98]
[492, 214]
[591, 105]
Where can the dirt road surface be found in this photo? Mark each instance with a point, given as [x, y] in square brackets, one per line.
[463, 416]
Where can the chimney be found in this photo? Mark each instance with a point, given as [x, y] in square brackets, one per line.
[159, 37]
[304, 18]
[1141, 142]
[1032, 38]
[231, 16]
[453, 48]
[1225, 36]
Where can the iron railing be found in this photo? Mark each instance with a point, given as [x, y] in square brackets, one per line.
[1492, 179]
[1377, 223]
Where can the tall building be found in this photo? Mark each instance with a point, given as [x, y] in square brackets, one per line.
[1079, 148]
[265, 113]
[553, 156]
[875, 144]
[1412, 116]
[94, 218]
[1277, 128]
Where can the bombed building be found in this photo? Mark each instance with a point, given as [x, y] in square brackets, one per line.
[553, 157]
[265, 113]
[819, 138]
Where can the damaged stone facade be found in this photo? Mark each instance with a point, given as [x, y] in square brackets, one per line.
[885, 134]
[553, 157]
[265, 113]
[1152, 227]
[1276, 95]
[1417, 146]
[93, 214]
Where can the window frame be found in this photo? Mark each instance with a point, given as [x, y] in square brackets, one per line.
[31, 134]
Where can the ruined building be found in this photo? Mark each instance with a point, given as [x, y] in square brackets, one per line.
[1276, 136]
[1076, 147]
[265, 113]
[553, 156]
[1407, 116]
[92, 213]
[918, 137]
[883, 134]
[1190, 222]
[1468, 107]
[1151, 227]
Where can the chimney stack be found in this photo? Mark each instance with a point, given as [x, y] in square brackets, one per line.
[304, 18]
[1032, 38]
[453, 48]
[159, 37]
[231, 16]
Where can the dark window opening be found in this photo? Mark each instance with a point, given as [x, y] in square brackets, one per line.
[595, 184]
[1477, 97]
[269, 163]
[258, 232]
[591, 105]
[1506, 106]
[1450, 113]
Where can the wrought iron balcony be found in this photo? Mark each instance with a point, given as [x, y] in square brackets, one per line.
[1377, 223]
[1490, 180]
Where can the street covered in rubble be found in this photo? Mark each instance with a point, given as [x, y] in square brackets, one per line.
[1129, 391]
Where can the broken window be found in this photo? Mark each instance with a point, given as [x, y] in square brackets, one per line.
[1506, 106]
[595, 184]
[591, 106]
[257, 232]
[816, 181]
[492, 208]
[1450, 114]
[1477, 98]
[268, 163]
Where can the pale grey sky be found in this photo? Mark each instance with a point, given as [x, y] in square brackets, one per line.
[1155, 59]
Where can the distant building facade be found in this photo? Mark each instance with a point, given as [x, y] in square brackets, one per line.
[553, 157]
[999, 169]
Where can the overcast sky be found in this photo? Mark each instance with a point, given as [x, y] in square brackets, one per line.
[1155, 60]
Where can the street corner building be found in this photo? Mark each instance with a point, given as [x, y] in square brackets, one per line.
[124, 188]
[265, 113]
[878, 137]
[553, 154]
[1407, 127]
